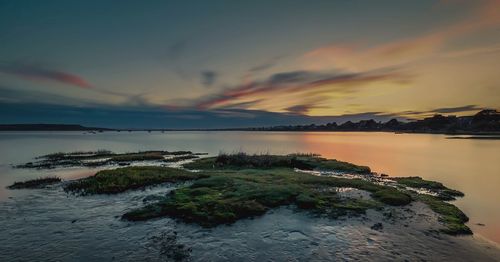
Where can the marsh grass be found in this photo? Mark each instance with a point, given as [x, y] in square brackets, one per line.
[102, 158]
[35, 183]
[123, 179]
[228, 195]
[442, 191]
[231, 187]
[451, 216]
[300, 161]
[141, 156]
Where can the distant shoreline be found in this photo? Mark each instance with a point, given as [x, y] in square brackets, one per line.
[72, 128]
[483, 123]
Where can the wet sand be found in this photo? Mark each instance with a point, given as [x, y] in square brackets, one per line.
[49, 225]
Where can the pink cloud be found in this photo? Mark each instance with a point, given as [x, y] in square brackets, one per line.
[399, 52]
[295, 83]
[35, 73]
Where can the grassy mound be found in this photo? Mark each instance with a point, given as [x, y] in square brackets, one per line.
[452, 217]
[123, 179]
[228, 195]
[392, 197]
[35, 183]
[305, 162]
[232, 187]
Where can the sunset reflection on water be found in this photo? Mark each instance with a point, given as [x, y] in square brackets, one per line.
[470, 166]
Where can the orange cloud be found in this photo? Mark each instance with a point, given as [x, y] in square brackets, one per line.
[282, 91]
[403, 51]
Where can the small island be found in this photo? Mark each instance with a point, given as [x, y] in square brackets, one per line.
[230, 187]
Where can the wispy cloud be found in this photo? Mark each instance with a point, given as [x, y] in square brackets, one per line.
[315, 84]
[483, 50]
[208, 78]
[458, 109]
[353, 58]
[414, 114]
[266, 65]
[402, 51]
[19, 96]
[299, 109]
[175, 54]
[36, 73]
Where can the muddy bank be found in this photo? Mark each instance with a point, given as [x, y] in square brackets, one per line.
[49, 225]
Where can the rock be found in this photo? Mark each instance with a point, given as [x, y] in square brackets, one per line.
[377, 226]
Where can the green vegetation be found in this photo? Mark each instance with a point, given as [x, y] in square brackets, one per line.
[229, 195]
[236, 189]
[141, 156]
[392, 196]
[232, 187]
[226, 197]
[102, 158]
[123, 179]
[35, 183]
[416, 182]
[300, 161]
[452, 217]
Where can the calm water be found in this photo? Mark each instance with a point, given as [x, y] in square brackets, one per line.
[471, 166]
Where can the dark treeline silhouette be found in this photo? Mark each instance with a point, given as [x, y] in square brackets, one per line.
[49, 127]
[485, 121]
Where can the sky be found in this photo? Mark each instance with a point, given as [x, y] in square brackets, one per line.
[216, 64]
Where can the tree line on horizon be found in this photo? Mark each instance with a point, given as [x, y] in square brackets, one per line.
[487, 120]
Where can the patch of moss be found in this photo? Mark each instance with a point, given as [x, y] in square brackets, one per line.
[392, 197]
[123, 179]
[320, 163]
[205, 163]
[225, 193]
[452, 217]
[229, 195]
[307, 201]
[141, 156]
[442, 192]
[418, 182]
[35, 183]
[219, 199]
[300, 161]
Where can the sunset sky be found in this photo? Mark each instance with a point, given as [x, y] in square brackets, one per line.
[190, 64]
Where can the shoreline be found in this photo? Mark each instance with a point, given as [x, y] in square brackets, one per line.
[281, 233]
[474, 135]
